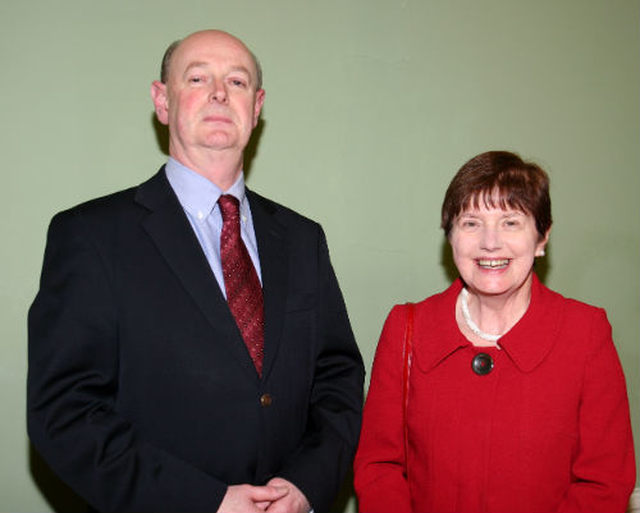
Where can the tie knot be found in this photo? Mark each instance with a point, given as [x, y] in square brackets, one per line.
[229, 207]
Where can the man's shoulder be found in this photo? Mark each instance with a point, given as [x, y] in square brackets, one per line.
[278, 210]
[111, 213]
[108, 202]
[123, 200]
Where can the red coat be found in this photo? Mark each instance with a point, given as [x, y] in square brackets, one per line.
[547, 429]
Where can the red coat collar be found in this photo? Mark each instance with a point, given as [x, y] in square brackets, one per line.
[527, 344]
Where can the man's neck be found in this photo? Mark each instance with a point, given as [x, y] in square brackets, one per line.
[220, 168]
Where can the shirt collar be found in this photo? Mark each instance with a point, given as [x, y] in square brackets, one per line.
[197, 195]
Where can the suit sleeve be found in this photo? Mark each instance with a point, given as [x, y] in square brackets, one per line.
[72, 389]
[380, 480]
[603, 469]
[319, 465]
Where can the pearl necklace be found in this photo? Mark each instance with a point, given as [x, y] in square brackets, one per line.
[464, 294]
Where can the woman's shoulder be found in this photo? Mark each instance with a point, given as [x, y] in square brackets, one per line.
[574, 322]
[432, 306]
[433, 318]
[442, 299]
[570, 307]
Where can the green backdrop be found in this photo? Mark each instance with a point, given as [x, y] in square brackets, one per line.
[372, 105]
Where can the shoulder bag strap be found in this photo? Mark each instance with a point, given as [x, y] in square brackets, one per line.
[406, 372]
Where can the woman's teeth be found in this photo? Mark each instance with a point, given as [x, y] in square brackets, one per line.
[493, 264]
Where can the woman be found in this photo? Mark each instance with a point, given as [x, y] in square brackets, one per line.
[516, 399]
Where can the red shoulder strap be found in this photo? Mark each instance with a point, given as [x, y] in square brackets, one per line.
[406, 372]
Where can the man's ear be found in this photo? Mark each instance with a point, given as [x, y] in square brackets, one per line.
[160, 101]
[257, 106]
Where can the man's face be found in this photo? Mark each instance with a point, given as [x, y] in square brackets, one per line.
[210, 101]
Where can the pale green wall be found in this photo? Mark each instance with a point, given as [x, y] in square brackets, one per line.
[371, 107]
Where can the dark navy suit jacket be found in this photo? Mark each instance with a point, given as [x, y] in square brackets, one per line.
[141, 393]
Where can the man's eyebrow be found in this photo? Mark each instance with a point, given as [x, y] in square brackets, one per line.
[241, 68]
[203, 64]
[195, 64]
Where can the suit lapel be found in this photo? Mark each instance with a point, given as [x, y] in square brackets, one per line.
[273, 251]
[171, 232]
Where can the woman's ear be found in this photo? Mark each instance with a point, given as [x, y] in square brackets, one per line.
[540, 247]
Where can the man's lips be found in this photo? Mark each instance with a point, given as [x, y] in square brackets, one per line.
[217, 118]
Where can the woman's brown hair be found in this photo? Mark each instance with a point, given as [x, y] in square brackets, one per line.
[499, 179]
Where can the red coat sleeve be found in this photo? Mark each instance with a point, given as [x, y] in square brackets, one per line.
[603, 470]
[379, 479]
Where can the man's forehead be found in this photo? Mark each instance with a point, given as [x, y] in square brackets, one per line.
[206, 52]
[215, 44]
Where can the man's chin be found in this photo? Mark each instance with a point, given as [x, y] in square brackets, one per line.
[220, 141]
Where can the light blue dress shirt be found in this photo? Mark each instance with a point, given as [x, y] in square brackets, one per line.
[199, 199]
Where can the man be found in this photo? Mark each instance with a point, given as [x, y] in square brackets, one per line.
[148, 389]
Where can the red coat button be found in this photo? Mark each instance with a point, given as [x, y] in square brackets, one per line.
[482, 364]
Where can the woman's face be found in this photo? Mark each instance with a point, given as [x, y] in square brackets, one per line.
[494, 249]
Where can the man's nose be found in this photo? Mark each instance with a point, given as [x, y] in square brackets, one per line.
[218, 93]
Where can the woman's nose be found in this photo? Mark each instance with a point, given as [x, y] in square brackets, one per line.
[491, 239]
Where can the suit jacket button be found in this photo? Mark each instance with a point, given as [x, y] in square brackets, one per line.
[266, 400]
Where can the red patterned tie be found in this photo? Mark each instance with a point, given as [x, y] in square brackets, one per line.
[244, 293]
